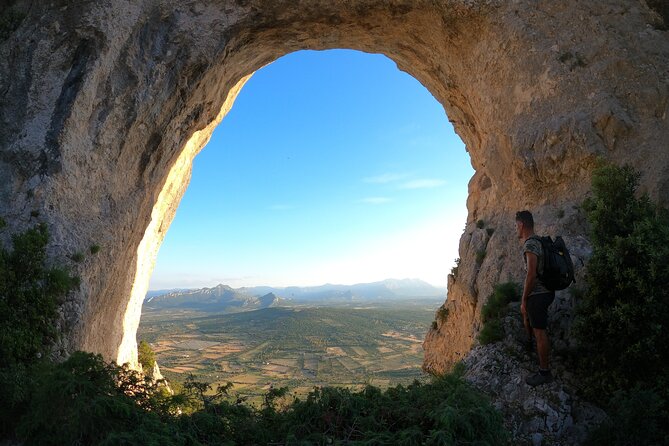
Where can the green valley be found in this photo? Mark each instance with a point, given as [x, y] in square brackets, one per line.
[299, 347]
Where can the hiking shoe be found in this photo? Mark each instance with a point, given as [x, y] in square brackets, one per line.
[538, 379]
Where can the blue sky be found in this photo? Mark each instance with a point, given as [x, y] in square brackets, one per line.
[331, 167]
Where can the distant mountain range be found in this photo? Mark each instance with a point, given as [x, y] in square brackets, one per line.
[225, 298]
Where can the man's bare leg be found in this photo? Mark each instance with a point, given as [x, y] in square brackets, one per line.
[543, 347]
[528, 328]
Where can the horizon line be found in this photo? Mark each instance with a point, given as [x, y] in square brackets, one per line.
[296, 286]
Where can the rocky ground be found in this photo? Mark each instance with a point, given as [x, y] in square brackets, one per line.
[552, 414]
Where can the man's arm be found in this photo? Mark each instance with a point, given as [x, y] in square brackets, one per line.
[530, 278]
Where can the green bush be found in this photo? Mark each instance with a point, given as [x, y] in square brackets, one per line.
[10, 20]
[442, 313]
[86, 400]
[446, 411]
[492, 331]
[622, 317]
[638, 416]
[146, 357]
[480, 224]
[480, 255]
[29, 296]
[621, 321]
[94, 249]
[454, 270]
[101, 403]
[495, 309]
[30, 293]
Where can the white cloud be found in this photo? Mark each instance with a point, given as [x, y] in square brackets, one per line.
[423, 183]
[385, 178]
[375, 200]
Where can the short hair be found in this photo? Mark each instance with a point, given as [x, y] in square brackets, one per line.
[525, 217]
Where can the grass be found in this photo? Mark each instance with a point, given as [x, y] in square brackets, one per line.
[77, 257]
[480, 256]
[495, 309]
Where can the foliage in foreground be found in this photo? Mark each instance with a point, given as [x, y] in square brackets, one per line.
[30, 293]
[621, 322]
[622, 319]
[85, 400]
[495, 309]
[29, 296]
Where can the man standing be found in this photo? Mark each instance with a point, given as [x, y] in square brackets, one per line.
[536, 297]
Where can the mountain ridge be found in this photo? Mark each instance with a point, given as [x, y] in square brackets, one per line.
[225, 297]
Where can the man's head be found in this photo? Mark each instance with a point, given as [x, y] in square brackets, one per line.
[524, 224]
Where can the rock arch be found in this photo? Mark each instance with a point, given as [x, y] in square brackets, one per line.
[106, 103]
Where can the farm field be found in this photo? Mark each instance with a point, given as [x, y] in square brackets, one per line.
[297, 347]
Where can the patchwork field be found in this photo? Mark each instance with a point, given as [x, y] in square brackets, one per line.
[298, 347]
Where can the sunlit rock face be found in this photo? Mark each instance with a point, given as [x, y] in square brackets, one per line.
[105, 104]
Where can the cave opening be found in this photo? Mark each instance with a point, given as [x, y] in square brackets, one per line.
[332, 167]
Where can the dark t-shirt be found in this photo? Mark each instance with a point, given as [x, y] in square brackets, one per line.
[534, 246]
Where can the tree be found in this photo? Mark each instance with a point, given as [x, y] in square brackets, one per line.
[146, 357]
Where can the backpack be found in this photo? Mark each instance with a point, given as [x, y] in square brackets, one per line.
[558, 271]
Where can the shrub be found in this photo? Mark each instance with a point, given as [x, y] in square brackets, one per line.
[77, 257]
[495, 309]
[94, 249]
[86, 400]
[480, 255]
[442, 313]
[639, 416]
[102, 403]
[574, 60]
[10, 20]
[97, 403]
[445, 411]
[146, 357]
[662, 8]
[454, 270]
[29, 297]
[480, 224]
[492, 331]
[621, 321]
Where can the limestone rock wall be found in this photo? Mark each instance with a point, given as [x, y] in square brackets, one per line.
[105, 103]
